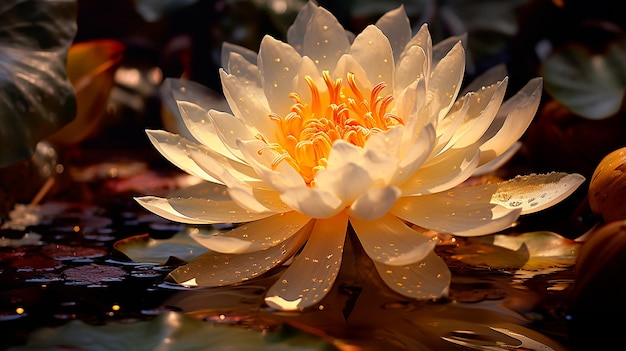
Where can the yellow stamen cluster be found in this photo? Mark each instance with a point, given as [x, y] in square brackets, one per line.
[308, 131]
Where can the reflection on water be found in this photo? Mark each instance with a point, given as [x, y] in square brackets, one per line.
[63, 267]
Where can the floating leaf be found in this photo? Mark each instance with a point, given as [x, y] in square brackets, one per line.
[530, 251]
[143, 248]
[36, 96]
[170, 331]
[91, 68]
[545, 249]
[591, 85]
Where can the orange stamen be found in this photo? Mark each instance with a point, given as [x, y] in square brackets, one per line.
[307, 132]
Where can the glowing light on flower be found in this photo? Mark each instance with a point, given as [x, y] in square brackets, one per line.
[331, 129]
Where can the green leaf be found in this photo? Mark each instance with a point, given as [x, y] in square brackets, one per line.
[170, 331]
[590, 85]
[36, 96]
[144, 249]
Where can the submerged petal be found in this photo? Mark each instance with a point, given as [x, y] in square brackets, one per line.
[423, 280]
[314, 270]
[390, 241]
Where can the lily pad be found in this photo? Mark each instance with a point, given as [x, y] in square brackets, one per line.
[530, 251]
[589, 84]
[145, 249]
[36, 96]
[170, 331]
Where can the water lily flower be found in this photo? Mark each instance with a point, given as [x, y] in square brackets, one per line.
[329, 130]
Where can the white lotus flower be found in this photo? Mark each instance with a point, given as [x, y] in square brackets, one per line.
[330, 129]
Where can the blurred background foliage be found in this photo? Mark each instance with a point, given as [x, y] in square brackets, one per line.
[579, 47]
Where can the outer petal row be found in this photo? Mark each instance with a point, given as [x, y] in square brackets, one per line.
[217, 269]
[313, 272]
[257, 235]
[391, 242]
[464, 211]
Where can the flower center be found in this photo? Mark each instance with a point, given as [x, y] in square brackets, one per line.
[307, 133]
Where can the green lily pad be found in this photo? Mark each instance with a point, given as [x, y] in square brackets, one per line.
[170, 331]
[590, 85]
[145, 249]
[36, 96]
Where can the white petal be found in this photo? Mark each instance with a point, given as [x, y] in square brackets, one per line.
[173, 147]
[278, 64]
[228, 129]
[313, 272]
[217, 269]
[173, 91]
[280, 177]
[483, 107]
[313, 202]
[423, 40]
[533, 193]
[442, 48]
[325, 40]
[390, 241]
[221, 167]
[247, 104]
[451, 169]
[246, 72]
[346, 182]
[197, 121]
[347, 64]
[464, 211]
[301, 86]
[375, 203]
[491, 76]
[295, 32]
[210, 204]
[411, 67]
[161, 207]
[372, 51]
[497, 162]
[396, 26]
[415, 156]
[512, 121]
[424, 280]
[228, 48]
[248, 192]
[446, 77]
[448, 126]
[257, 235]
